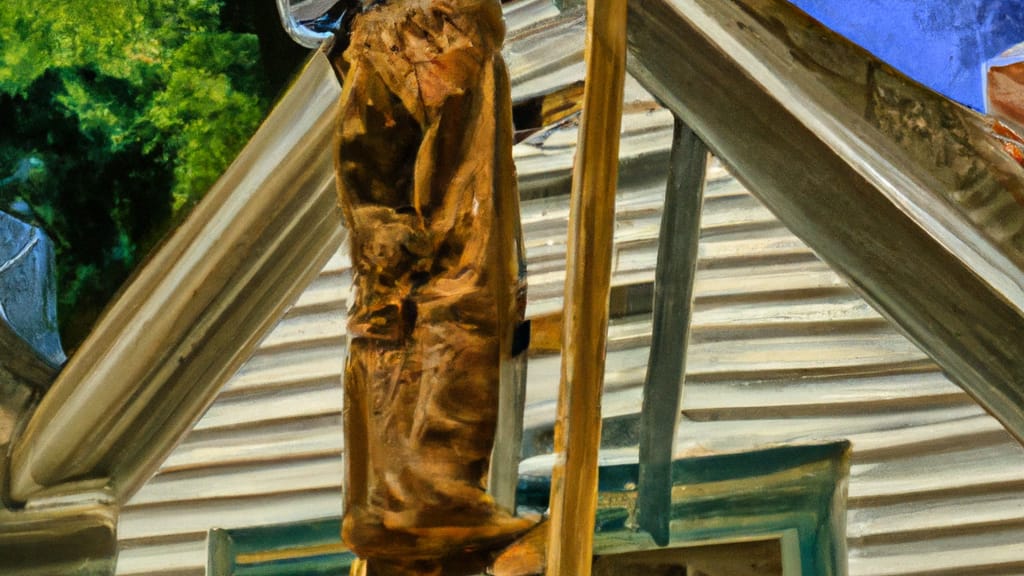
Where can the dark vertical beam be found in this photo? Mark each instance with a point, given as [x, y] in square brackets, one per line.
[673, 308]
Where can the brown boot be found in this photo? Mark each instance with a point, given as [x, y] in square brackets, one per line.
[427, 187]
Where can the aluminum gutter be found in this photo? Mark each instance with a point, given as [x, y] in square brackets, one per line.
[899, 189]
[196, 311]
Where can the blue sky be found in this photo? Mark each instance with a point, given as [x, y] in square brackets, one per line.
[940, 43]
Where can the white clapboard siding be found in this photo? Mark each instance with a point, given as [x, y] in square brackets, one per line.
[782, 350]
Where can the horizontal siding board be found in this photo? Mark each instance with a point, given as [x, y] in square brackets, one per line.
[308, 474]
[259, 445]
[774, 424]
[328, 291]
[302, 331]
[819, 396]
[173, 559]
[291, 367]
[836, 308]
[523, 14]
[920, 518]
[903, 479]
[154, 523]
[995, 552]
[752, 280]
[978, 429]
[274, 406]
[552, 57]
[732, 435]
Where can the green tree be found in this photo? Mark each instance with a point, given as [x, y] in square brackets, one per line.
[115, 117]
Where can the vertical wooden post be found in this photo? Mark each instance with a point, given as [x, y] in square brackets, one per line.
[591, 229]
[508, 442]
[673, 307]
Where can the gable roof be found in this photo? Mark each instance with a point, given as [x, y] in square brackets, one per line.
[783, 351]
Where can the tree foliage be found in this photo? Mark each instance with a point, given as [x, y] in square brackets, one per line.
[115, 117]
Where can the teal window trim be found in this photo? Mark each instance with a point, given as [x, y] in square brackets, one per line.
[300, 549]
[796, 494]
